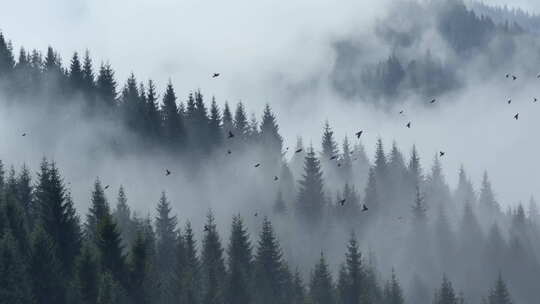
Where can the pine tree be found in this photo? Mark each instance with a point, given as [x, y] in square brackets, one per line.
[166, 248]
[486, 199]
[329, 145]
[216, 131]
[227, 119]
[354, 273]
[213, 266]
[15, 283]
[371, 197]
[76, 76]
[88, 78]
[173, 125]
[310, 201]
[239, 263]
[110, 249]
[106, 87]
[321, 287]
[88, 276]
[152, 114]
[415, 171]
[45, 270]
[392, 291]
[25, 195]
[132, 105]
[446, 294]
[139, 271]
[57, 215]
[499, 294]
[381, 163]
[122, 217]
[240, 122]
[346, 162]
[270, 137]
[7, 60]
[99, 209]
[269, 265]
[190, 275]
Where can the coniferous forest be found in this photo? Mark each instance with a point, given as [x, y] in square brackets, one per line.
[237, 217]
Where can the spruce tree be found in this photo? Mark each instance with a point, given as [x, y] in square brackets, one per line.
[310, 202]
[122, 217]
[88, 78]
[213, 265]
[173, 126]
[329, 145]
[166, 235]
[15, 282]
[139, 271]
[499, 294]
[227, 119]
[215, 128]
[99, 209]
[7, 60]
[88, 275]
[486, 200]
[190, 276]
[354, 273]
[446, 294]
[110, 249]
[76, 77]
[392, 291]
[321, 287]
[270, 137]
[106, 87]
[464, 191]
[239, 262]
[152, 114]
[240, 122]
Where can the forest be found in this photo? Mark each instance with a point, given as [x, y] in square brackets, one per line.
[317, 223]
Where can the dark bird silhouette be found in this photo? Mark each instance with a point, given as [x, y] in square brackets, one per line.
[231, 135]
[276, 178]
[287, 148]
[538, 76]
[256, 214]
[409, 125]
[351, 153]
[535, 99]
[257, 165]
[342, 202]
[433, 100]
[298, 151]
[514, 77]
[364, 208]
[333, 157]
[507, 75]
[106, 187]
[215, 75]
[442, 153]
[229, 151]
[167, 172]
[24, 134]
[339, 164]
[509, 101]
[206, 228]
[359, 133]
[401, 112]
[516, 117]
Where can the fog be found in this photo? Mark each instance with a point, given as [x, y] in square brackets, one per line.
[283, 54]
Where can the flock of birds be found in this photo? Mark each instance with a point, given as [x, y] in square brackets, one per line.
[358, 134]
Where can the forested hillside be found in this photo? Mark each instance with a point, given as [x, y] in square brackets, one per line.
[314, 223]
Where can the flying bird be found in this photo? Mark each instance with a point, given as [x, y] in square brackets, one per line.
[106, 187]
[229, 151]
[507, 75]
[535, 99]
[342, 202]
[509, 101]
[516, 117]
[215, 75]
[339, 164]
[167, 172]
[433, 100]
[256, 214]
[514, 77]
[359, 133]
[333, 157]
[401, 112]
[257, 165]
[409, 125]
[231, 135]
[538, 76]
[24, 134]
[442, 153]
[276, 178]
[206, 228]
[298, 151]
[364, 208]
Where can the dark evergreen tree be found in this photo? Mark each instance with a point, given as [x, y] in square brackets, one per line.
[189, 278]
[76, 76]
[215, 129]
[270, 137]
[446, 294]
[321, 287]
[110, 249]
[139, 271]
[239, 262]
[166, 233]
[106, 87]
[310, 202]
[152, 114]
[464, 191]
[122, 217]
[392, 291]
[213, 265]
[7, 60]
[240, 122]
[354, 274]
[227, 119]
[88, 276]
[98, 211]
[499, 294]
[173, 125]
[486, 200]
[15, 282]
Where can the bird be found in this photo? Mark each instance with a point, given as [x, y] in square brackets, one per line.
[257, 165]
[433, 100]
[256, 214]
[342, 202]
[167, 172]
[215, 75]
[206, 228]
[507, 75]
[231, 135]
[442, 153]
[229, 151]
[535, 99]
[339, 164]
[287, 149]
[298, 151]
[538, 76]
[276, 178]
[409, 125]
[514, 77]
[401, 112]
[516, 117]
[24, 134]
[364, 208]
[359, 133]
[333, 157]
[509, 101]
[351, 153]
[106, 187]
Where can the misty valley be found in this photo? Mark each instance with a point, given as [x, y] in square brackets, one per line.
[118, 191]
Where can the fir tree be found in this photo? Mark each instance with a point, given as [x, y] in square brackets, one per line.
[76, 77]
[213, 267]
[122, 217]
[88, 276]
[239, 263]
[227, 119]
[190, 275]
[392, 291]
[321, 287]
[15, 283]
[139, 271]
[499, 294]
[486, 199]
[110, 249]
[99, 209]
[106, 87]
[446, 294]
[240, 122]
[310, 201]
[166, 250]
[173, 125]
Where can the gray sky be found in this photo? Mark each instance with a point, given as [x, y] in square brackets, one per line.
[266, 50]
